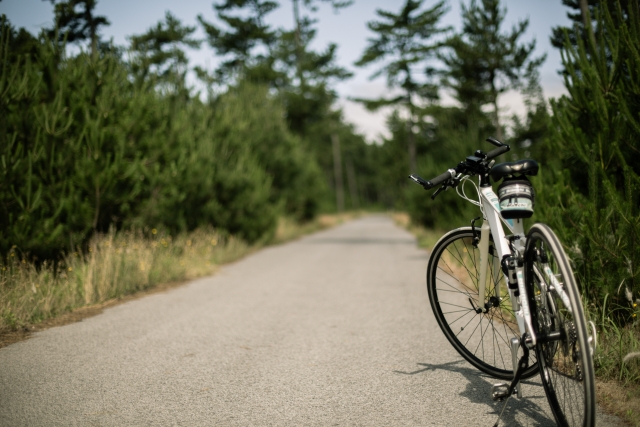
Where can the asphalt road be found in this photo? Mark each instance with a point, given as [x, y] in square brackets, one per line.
[334, 329]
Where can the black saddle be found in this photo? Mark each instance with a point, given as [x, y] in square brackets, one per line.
[521, 167]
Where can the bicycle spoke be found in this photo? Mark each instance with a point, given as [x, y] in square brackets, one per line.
[456, 289]
[482, 338]
[473, 261]
[462, 328]
[567, 371]
[471, 276]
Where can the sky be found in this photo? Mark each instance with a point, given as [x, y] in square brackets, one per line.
[347, 29]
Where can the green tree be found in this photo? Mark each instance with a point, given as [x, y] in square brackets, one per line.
[85, 148]
[582, 17]
[586, 23]
[482, 62]
[308, 99]
[63, 155]
[262, 55]
[402, 40]
[21, 44]
[246, 33]
[529, 137]
[75, 21]
[159, 51]
[302, 28]
[594, 198]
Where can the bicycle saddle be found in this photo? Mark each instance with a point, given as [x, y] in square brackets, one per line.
[521, 167]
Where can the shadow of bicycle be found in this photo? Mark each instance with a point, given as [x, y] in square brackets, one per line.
[532, 407]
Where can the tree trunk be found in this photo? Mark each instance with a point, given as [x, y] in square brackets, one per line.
[353, 185]
[337, 172]
[411, 141]
[496, 111]
[296, 18]
[94, 42]
[586, 20]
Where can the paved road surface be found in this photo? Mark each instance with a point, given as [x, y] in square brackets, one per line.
[331, 330]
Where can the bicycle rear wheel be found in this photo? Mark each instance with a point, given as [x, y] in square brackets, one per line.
[483, 339]
[566, 365]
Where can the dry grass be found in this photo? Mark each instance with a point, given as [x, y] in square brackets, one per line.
[289, 229]
[117, 265]
[617, 363]
[620, 400]
[426, 238]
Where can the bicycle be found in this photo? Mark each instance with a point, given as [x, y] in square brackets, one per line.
[499, 298]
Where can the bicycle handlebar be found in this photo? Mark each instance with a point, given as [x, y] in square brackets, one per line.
[428, 185]
[441, 178]
[477, 164]
[497, 151]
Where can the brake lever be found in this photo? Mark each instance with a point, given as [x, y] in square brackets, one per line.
[453, 182]
[439, 190]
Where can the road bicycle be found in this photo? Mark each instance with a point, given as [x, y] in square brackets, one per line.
[508, 301]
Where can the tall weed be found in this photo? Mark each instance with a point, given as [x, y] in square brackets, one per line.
[114, 265]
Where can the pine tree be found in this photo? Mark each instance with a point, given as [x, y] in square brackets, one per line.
[75, 21]
[594, 202]
[483, 62]
[302, 25]
[246, 32]
[402, 41]
[582, 17]
[160, 51]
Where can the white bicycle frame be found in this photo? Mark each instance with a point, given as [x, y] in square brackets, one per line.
[491, 225]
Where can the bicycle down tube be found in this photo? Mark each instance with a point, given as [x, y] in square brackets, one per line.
[492, 212]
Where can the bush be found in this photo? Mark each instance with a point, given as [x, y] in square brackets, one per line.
[593, 199]
[85, 148]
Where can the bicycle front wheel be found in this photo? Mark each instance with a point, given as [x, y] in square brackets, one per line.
[482, 338]
[565, 357]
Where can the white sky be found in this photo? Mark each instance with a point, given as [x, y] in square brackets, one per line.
[347, 29]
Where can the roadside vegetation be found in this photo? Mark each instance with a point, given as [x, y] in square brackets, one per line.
[119, 264]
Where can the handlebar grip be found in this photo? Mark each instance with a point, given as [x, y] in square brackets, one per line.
[440, 179]
[495, 142]
[496, 152]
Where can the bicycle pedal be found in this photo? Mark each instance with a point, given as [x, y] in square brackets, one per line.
[499, 391]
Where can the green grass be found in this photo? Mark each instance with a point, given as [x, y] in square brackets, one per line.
[618, 353]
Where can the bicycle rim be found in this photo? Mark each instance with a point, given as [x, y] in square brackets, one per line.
[483, 339]
[566, 366]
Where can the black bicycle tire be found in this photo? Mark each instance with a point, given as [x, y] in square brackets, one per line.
[551, 360]
[504, 372]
